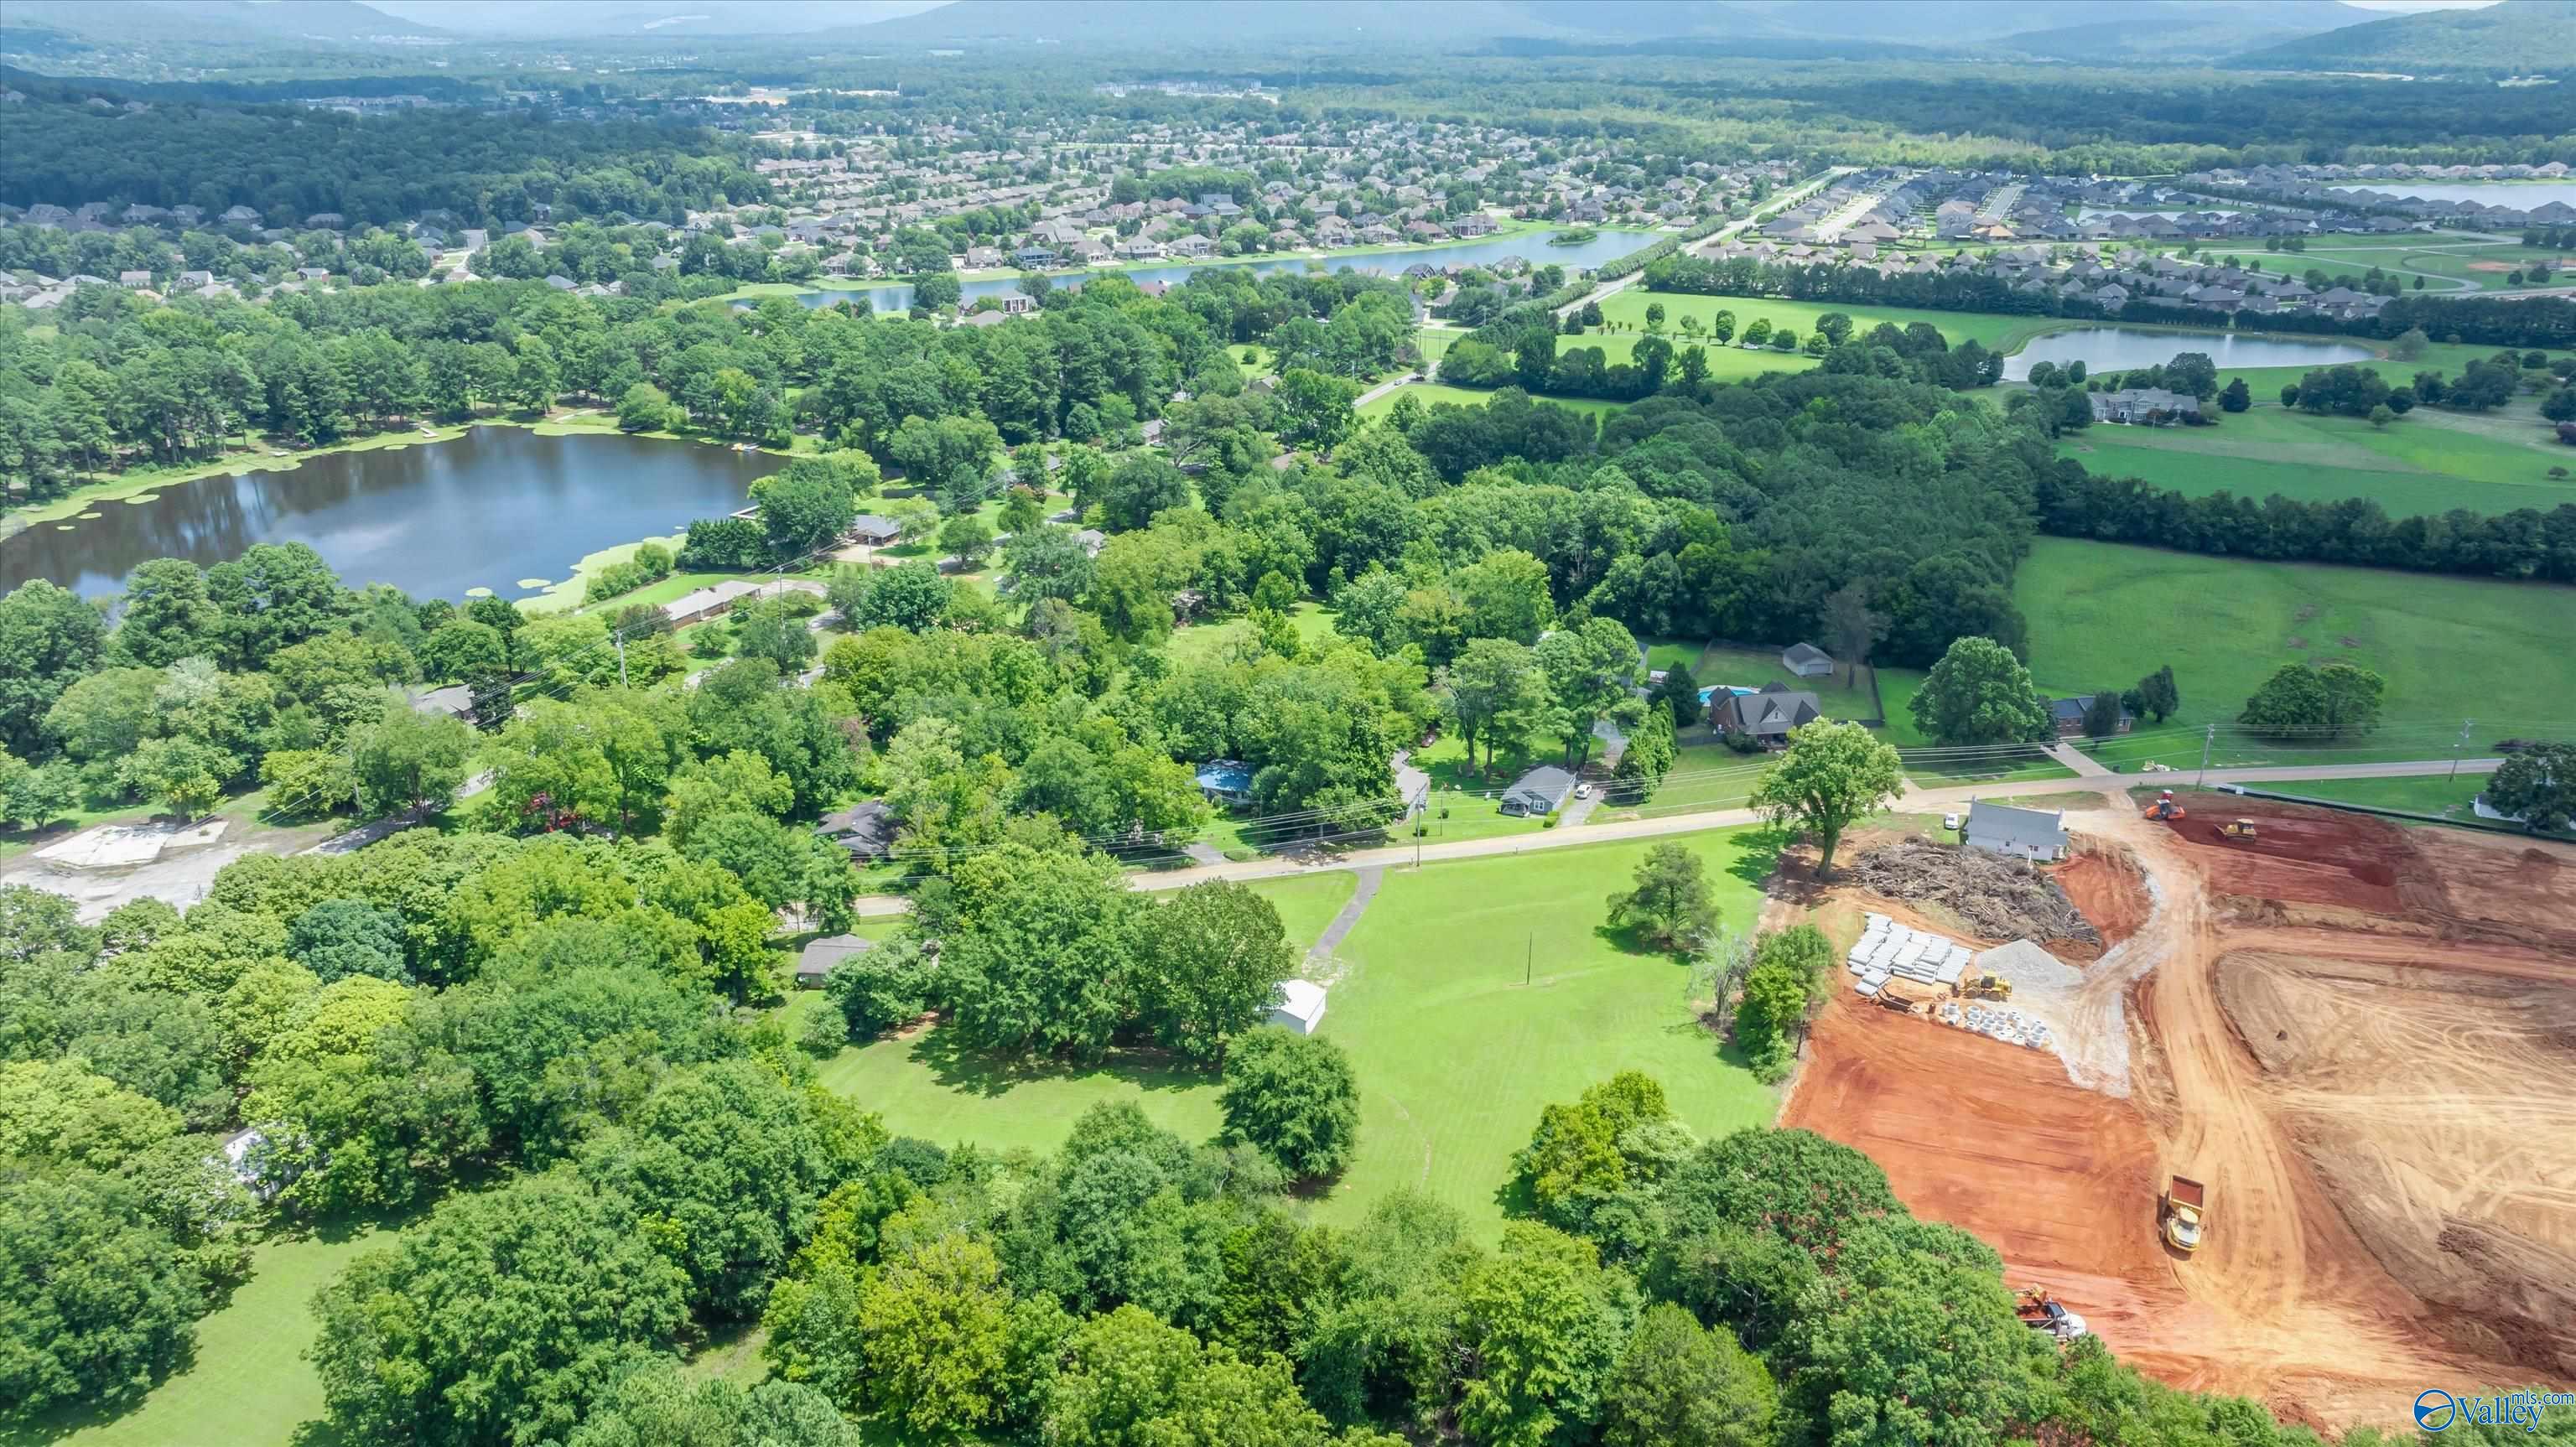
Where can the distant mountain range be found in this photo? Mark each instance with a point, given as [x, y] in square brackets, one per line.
[271, 22]
[2519, 37]
[2049, 29]
[2299, 34]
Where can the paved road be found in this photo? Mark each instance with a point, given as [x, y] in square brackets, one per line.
[1776, 204]
[1382, 388]
[1913, 800]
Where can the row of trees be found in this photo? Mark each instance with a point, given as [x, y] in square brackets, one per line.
[122, 380]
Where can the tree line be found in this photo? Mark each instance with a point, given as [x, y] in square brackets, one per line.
[122, 381]
[479, 168]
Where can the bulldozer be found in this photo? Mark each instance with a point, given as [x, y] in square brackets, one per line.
[1987, 987]
[2237, 829]
[2165, 808]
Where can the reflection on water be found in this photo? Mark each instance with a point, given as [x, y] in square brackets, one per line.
[482, 510]
[2117, 349]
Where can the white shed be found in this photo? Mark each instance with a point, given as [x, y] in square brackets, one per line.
[1300, 1007]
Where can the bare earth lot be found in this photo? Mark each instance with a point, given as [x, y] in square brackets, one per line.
[2363, 1038]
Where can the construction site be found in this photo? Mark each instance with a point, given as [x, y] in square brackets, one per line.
[2293, 1123]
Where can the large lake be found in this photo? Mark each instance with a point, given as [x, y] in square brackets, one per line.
[2117, 349]
[486, 509]
[1530, 246]
[2520, 195]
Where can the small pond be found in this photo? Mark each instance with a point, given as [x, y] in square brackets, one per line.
[2117, 349]
[1530, 246]
[487, 509]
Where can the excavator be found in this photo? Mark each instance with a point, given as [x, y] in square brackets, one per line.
[2164, 807]
[2041, 1312]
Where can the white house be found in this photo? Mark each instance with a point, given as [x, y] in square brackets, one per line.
[1300, 1007]
[1806, 660]
[2022, 833]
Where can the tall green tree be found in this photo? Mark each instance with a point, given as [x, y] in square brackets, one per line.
[1980, 694]
[1681, 1382]
[1831, 777]
[500, 1319]
[1293, 1098]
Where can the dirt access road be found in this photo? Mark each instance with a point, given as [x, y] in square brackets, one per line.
[2362, 1037]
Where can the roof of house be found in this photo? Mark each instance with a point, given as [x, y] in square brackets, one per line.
[2071, 710]
[874, 525]
[1805, 653]
[1773, 710]
[2015, 830]
[1545, 786]
[866, 828]
[691, 604]
[818, 958]
[1303, 999]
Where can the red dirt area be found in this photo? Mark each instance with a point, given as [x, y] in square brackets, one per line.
[1992, 1138]
[2105, 885]
[2299, 855]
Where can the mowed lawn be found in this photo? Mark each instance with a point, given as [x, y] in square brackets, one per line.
[2103, 614]
[2427, 462]
[923, 1088]
[1432, 394]
[1994, 330]
[1455, 1053]
[249, 1384]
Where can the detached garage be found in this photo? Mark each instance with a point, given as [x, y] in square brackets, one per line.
[1300, 1006]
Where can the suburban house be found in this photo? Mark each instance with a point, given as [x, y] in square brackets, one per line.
[1768, 715]
[2031, 834]
[1542, 790]
[874, 531]
[866, 830]
[707, 602]
[2149, 406]
[1226, 781]
[1300, 1007]
[2069, 715]
[1806, 660]
[818, 959]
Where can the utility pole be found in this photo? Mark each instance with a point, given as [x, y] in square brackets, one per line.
[618, 637]
[1529, 961]
[2206, 739]
[2465, 725]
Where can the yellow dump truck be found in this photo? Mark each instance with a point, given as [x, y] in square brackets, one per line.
[2184, 1201]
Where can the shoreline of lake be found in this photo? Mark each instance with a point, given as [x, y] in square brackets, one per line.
[502, 512]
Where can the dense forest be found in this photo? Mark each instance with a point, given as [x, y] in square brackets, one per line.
[288, 162]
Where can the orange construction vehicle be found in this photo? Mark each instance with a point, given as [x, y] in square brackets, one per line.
[2040, 1312]
[2164, 807]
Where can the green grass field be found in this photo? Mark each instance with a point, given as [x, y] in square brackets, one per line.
[1455, 1054]
[1431, 394]
[1997, 332]
[1844, 693]
[248, 1385]
[2426, 462]
[2103, 614]
[1732, 363]
[2417, 793]
[2440, 257]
